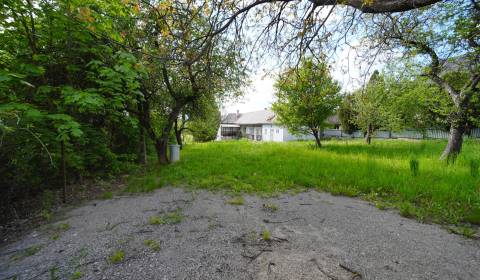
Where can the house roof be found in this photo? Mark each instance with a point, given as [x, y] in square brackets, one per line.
[257, 117]
[229, 118]
[262, 117]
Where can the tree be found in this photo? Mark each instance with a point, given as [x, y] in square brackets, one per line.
[63, 93]
[371, 113]
[201, 119]
[205, 120]
[306, 97]
[185, 63]
[347, 115]
[443, 36]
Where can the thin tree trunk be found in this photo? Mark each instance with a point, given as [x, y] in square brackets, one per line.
[368, 137]
[64, 171]
[455, 141]
[143, 147]
[161, 144]
[317, 138]
[178, 134]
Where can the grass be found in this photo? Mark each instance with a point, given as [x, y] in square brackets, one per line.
[236, 201]
[266, 235]
[116, 257]
[171, 218]
[27, 252]
[380, 172]
[152, 244]
[270, 207]
[107, 195]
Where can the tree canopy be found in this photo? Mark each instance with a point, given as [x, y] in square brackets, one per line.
[306, 97]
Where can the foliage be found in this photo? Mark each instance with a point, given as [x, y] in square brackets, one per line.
[306, 98]
[346, 114]
[204, 121]
[61, 85]
[379, 172]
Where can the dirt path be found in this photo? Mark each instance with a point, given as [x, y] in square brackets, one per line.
[313, 236]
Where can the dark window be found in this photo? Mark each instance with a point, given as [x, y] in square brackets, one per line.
[230, 131]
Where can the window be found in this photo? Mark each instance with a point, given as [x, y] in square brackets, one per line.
[278, 130]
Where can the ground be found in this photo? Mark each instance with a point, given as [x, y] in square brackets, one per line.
[175, 233]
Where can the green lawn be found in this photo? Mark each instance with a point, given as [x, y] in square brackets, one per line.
[380, 173]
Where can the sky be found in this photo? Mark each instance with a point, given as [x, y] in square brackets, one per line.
[260, 94]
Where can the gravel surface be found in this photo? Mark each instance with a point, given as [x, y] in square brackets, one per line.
[199, 235]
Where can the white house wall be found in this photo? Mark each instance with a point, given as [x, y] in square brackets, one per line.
[272, 133]
[287, 136]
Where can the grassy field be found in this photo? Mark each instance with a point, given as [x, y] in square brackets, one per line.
[407, 175]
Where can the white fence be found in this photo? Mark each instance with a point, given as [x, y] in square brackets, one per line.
[410, 134]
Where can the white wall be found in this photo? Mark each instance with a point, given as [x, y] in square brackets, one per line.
[272, 132]
[287, 136]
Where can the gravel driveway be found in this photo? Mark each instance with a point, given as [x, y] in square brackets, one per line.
[176, 234]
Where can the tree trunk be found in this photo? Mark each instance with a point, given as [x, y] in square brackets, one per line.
[455, 141]
[178, 134]
[161, 146]
[368, 137]
[317, 137]
[64, 171]
[143, 147]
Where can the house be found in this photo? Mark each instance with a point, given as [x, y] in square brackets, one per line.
[259, 126]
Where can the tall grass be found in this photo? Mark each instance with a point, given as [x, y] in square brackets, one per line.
[381, 171]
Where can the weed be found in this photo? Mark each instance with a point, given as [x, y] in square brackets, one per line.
[48, 200]
[53, 273]
[407, 210]
[152, 244]
[171, 218]
[30, 251]
[77, 274]
[46, 214]
[236, 201]
[346, 191]
[156, 220]
[474, 166]
[414, 166]
[381, 205]
[63, 227]
[266, 235]
[55, 236]
[270, 207]
[473, 217]
[107, 195]
[116, 257]
[463, 230]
